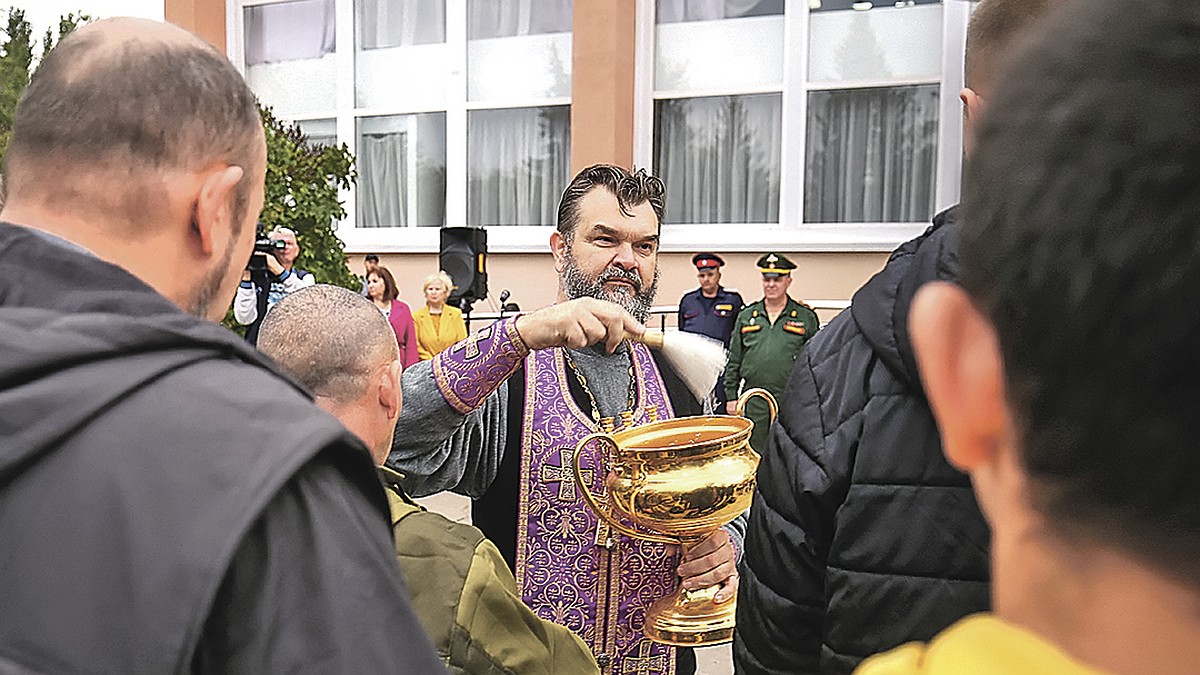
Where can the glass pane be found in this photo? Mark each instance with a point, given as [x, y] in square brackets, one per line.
[506, 18]
[719, 158]
[675, 11]
[401, 57]
[399, 23]
[402, 170]
[319, 132]
[750, 54]
[518, 50]
[885, 43]
[872, 155]
[518, 165]
[289, 56]
[289, 31]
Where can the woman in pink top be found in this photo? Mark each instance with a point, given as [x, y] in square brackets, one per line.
[381, 289]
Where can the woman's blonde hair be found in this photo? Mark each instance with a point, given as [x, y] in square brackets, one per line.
[441, 276]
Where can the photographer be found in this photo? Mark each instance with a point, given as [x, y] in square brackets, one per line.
[267, 278]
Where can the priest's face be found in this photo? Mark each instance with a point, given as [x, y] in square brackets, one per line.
[611, 255]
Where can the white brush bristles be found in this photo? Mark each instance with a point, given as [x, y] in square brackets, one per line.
[697, 359]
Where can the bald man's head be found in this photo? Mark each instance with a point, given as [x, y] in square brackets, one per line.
[329, 339]
[117, 104]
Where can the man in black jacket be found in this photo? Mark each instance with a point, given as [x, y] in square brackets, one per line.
[862, 536]
[169, 501]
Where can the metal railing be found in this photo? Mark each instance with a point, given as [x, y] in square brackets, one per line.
[658, 313]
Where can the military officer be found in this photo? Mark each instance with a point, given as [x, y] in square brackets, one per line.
[711, 309]
[766, 338]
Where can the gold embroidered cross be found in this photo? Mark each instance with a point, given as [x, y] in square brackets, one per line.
[564, 475]
[470, 344]
[644, 662]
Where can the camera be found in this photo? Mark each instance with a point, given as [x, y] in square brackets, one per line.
[263, 246]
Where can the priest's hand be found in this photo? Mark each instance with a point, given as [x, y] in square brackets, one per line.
[711, 562]
[578, 323]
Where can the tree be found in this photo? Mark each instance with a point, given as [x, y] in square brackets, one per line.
[16, 61]
[303, 180]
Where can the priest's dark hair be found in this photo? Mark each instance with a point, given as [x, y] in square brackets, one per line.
[630, 189]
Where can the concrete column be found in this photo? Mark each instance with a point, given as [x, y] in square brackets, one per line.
[602, 83]
[205, 18]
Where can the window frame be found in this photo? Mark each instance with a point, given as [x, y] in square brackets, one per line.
[677, 237]
[413, 238]
[814, 237]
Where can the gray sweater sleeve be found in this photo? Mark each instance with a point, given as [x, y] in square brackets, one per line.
[438, 448]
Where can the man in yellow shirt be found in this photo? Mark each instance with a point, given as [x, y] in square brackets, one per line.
[1079, 429]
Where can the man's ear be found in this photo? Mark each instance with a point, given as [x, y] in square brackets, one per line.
[212, 212]
[963, 373]
[390, 398]
[972, 108]
[558, 246]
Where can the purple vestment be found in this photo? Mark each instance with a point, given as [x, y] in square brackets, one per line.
[571, 570]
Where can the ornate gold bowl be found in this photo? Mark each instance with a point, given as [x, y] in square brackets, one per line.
[677, 481]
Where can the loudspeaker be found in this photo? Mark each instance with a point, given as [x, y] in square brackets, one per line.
[463, 255]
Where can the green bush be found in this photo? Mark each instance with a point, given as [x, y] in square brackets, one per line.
[303, 180]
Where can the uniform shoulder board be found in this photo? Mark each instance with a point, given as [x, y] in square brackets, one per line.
[806, 305]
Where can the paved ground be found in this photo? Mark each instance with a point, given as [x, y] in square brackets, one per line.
[710, 660]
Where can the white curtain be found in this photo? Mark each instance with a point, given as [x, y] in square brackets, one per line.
[383, 180]
[719, 158]
[518, 164]
[675, 11]
[872, 155]
[506, 18]
[399, 23]
[289, 31]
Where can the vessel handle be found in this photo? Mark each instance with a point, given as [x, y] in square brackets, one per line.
[612, 452]
[762, 393]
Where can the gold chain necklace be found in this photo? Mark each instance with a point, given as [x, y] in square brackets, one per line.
[579, 376]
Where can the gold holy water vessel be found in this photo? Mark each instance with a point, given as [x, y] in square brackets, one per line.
[677, 481]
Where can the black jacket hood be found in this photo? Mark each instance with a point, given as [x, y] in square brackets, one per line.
[68, 317]
[881, 307]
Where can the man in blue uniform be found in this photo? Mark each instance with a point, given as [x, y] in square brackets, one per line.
[711, 309]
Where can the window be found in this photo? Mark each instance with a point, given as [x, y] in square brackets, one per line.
[718, 112]
[718, 157]
[811, 115]
[289, 48]
[518, 165]
[402, 170]
[872, 150]
[457, 110]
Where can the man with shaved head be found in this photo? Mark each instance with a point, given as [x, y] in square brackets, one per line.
[169, 501]
[338, 345]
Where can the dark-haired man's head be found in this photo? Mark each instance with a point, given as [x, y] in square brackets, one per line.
[370, 262]
[1065, 372]
[142, 143]
[606, 242]
[995, 30]
[342, 349]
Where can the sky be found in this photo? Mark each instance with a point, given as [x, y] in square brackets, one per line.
[43, 14]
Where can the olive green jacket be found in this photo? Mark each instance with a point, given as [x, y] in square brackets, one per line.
[466, 598]
[761, 354]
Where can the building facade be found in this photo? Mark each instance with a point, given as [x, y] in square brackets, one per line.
[828, 129]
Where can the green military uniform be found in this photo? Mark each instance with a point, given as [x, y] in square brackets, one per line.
[761, 353]
[467, 599]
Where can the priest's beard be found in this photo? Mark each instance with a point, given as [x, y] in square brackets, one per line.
[637, 300]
